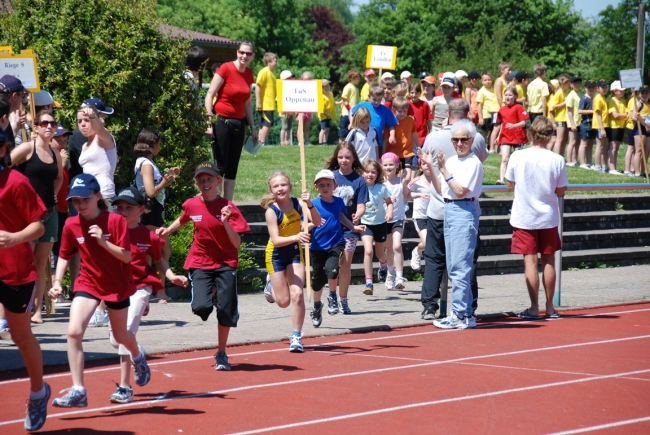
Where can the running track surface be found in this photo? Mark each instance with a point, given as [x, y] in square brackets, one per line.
[586, 372]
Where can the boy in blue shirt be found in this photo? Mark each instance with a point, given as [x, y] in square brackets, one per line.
[381, 116]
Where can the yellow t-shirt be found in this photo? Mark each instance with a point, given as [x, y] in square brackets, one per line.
[614, 105]
[520, 92]
[351, 95]
[488, 99]
[503, 89]
[630, 123]
[558, 98]
[365, 92]
[600, 105]
[573, 101]
[328, 107]
[537, 89]
[266, 83]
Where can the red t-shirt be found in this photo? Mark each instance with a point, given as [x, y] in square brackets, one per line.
[61, 201]
[512, 114]
[211, 247]
[101, 274]
[19, 207]
[234, 92]
[389, 104]
[145, 242]
[422, 115]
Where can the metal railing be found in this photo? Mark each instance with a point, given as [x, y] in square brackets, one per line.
[558, 255]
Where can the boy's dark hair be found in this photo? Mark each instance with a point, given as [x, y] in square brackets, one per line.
[376, 90]
[486, 73]
[215, 66]
[5, 106]
[149, 136]
[196, 57]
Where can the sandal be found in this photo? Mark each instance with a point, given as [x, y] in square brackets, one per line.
[553, 315]
[526, 315]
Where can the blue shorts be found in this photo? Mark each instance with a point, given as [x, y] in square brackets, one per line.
[586, 132]
[277, 259]
[343, 127]
[325, 124]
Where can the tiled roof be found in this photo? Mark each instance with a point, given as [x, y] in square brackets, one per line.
[196, 36]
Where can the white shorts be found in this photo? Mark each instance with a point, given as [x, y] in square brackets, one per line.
[138, 302]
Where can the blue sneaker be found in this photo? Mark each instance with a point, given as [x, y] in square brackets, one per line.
[332, 303]
[296, 344]
[345, 309]
[37, 411]
[382, 273]
[368, 290]
[72, 399]
[141, 372]
[122, 395]
[222, 362]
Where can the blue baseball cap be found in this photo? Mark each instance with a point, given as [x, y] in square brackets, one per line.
[99, 104]
[11, 84]
[82, 186]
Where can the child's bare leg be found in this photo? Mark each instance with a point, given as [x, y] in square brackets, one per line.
[629, 157]
[296, 280]
[505, 157]
[599, 152]
[367, 255]
[81, 311]
[223, 332]
[22, 336]
[613, 155]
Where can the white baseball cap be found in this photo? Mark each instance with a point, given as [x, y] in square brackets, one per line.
[616, 86]
[405, 75]
[286, 74]
[460, 74]
[324, 173]
[387, 75]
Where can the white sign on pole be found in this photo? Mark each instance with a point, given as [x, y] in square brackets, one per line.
[381, 57]
[22, 66]
[300, 96]
[631, 78]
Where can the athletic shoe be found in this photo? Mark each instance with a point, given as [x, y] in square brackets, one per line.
[429, 313]
[399, 283]
[99, 319]
[317, 315]
[296, 344]
[345, 309]
[390, 282]
[381, 273]
[5, 334]
[268, 290]
[332, 304]
[141, 372]
[222, 362]
[629, 173]
[615, 172]
[595, 168]
[37, 411]
[61, 301]
[450, 322]
[369, 288]
[585, 166]
[72, 399]
[122, 395]
[415, 259]
[470, 321]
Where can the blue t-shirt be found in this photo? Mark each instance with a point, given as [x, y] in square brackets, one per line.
[352, 190]
[586, 103]
[330, 233]
[375, 211]
[381, 116]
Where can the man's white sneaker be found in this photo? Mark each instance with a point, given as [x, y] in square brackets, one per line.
[450, 322]
[415, 259]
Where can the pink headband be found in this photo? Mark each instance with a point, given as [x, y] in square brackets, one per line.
[391, 156]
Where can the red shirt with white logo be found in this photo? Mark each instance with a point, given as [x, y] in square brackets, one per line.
[512, 115]
[211, 248]
[145, 242]
[19, 207]
[101, 275]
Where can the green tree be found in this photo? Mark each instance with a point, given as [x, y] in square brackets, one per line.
[112, 49]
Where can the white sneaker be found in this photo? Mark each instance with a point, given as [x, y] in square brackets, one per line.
[390, 282]
[615, 172]
[268, 290]
[470, 321]
[450, 322]
[399, 283]
[585, 166]
[415, 259]
[99, 319]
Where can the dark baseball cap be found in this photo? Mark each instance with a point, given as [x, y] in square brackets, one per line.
[131, 195]
[11, 84]
[82, 186]
[208, 167]
[424, 74]
[590, 84]
[522, 75]
[61, 130]
[576, 79]
[473, 75]
[644, 88]
[602, 82]
[512, 75]
[99, 104]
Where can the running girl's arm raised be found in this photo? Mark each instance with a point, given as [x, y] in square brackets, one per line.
[122, 254]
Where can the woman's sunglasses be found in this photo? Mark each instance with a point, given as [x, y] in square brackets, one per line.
[44, 124]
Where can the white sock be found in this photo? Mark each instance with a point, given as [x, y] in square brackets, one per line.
[400, 273]
[35, 395]
[81, 389]
[391, 270]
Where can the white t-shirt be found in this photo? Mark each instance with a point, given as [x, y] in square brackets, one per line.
[157, 177]
[467, 171]
[364, 144]
[399, 207]
[536, 173]
[420, 185]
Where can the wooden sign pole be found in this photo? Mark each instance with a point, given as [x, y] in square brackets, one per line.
[23, 132]
[305, 223]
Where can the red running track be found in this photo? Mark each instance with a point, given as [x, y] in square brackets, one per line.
[586, 372]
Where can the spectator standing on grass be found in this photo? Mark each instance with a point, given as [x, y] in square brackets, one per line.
[329, 113]
[370, 77]
[306, 117]
[617, 119]
[434, 252]
[232, 87]
[538, 177]
[537, 92]
[265, 95]
[574, 118]
[286, 118]
[587, 133]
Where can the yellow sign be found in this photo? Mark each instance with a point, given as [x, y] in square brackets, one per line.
[300, 96]
[23, 66]
[381, 57]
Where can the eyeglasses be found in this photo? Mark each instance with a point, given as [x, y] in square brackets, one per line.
[459, 139]
[245, 53]
[44, 124]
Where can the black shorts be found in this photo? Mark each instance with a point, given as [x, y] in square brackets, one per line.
[392, 226]
[420, 224]
[493, 117]
[586, 132]
[155, 216]
[630, 136]
[225, 280]
[265, 119]
[608, 132]
[616, 134]
[18, 299]
[325, 124]
[325, 265]
[532, 116]
[407, 162]
[378, 232]
[112, 305]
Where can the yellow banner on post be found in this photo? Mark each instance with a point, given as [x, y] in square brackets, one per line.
[381, 57]
[300, 96]
[23, 66]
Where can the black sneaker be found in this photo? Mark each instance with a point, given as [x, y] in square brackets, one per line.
[332, 303]
[345, 309]
[382, 274]
[429, 313]
[317, 315]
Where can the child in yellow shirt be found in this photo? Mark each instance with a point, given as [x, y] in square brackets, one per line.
[365, 90]
[557, 111]
[329, 113]
[629, 127]
[488, 108]
[617, 119]
[600, 122]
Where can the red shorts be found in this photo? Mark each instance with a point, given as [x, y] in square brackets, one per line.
[528, 242]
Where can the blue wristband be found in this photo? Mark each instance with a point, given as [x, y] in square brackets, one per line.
[449, 179]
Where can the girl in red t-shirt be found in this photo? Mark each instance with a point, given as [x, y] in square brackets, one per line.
[102, 241]
[513, 118]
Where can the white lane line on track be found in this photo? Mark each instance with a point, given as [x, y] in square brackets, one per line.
[164, 398]
[603, 426]
[437, 402]
[357, 340]
[542, 370]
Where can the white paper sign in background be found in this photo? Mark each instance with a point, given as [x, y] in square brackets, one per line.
[300, 96]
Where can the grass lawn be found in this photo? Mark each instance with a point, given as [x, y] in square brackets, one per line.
[254, 171]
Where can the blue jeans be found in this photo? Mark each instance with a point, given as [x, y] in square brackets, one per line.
[461, 231]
